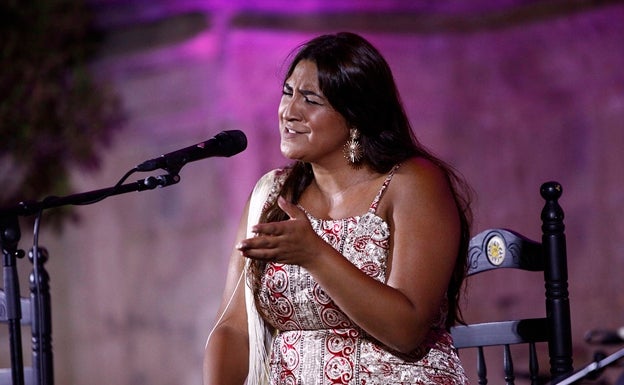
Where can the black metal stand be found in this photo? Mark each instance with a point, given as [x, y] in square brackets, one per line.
[41, 310]
[9, 239]
[594, 367]
[42, 360]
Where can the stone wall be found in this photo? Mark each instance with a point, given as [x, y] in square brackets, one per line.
[512, 97]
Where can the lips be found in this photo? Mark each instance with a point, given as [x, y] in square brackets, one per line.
[289, 130]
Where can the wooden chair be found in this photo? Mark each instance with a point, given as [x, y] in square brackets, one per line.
[502, 248]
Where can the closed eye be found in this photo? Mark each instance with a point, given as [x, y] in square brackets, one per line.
[310, 97]
[287, 90]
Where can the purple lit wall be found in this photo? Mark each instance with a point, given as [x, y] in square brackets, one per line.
[512, 93]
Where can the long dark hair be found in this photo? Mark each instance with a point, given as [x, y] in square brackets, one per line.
[358, 83]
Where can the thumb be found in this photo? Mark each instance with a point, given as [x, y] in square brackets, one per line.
[292, 210]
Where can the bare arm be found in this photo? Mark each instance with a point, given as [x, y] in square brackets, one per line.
[227, 348]
[424, 225]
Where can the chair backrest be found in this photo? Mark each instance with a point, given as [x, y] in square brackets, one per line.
[503, 248]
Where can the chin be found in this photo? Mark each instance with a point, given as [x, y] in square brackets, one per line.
[291, 157]
[289, 154]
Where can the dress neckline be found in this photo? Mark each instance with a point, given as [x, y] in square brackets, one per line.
[372, 209]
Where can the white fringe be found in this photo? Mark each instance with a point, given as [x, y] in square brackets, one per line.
[259, 335]
[259, 343]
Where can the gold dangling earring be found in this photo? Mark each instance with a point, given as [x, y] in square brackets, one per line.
[353, 149]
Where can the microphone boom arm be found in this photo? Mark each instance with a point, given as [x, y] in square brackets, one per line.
[40, 306]
[26, 208]
[226, 144]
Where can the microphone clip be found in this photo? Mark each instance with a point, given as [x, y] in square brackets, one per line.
[152, 182]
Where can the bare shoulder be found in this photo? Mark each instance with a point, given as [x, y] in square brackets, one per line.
[420, 200]
[419, 178]
[418, 186]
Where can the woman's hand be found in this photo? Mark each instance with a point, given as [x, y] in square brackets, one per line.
[292, 241]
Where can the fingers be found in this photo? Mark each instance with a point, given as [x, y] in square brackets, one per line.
[267, 238]
[280, 228]
[277, 240]
[256, 243]
[269, 241]
[272, 228]
[292, 210]
[258, 248]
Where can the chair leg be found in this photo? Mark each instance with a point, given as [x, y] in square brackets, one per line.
[508, 366]
[481, 367]
[533, 364]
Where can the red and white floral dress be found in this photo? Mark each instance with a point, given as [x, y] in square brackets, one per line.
[315, 343]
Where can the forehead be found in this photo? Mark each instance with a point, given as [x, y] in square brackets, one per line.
[304, 75]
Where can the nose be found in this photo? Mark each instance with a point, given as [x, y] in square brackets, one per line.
[289, 108]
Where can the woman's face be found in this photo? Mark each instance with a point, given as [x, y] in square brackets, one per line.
[310, 129]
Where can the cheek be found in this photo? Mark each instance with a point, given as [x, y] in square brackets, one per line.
[281, 107]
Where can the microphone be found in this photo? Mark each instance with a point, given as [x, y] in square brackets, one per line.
[605, 337]
[225, 143]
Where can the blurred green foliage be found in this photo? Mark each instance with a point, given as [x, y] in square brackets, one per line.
[53, 115]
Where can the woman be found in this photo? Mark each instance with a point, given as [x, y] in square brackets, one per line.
[355, 254]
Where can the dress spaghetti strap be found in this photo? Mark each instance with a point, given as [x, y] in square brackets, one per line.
[382, 190]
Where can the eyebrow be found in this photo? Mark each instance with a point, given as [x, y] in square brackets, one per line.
[305, 92]
[308, 93]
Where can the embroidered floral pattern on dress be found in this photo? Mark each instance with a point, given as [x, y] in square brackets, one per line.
[317, 344]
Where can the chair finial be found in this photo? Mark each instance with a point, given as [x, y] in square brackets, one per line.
[551, 191]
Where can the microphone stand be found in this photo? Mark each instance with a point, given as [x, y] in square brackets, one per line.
[39, 279]
[592, 368]
[9, 238]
